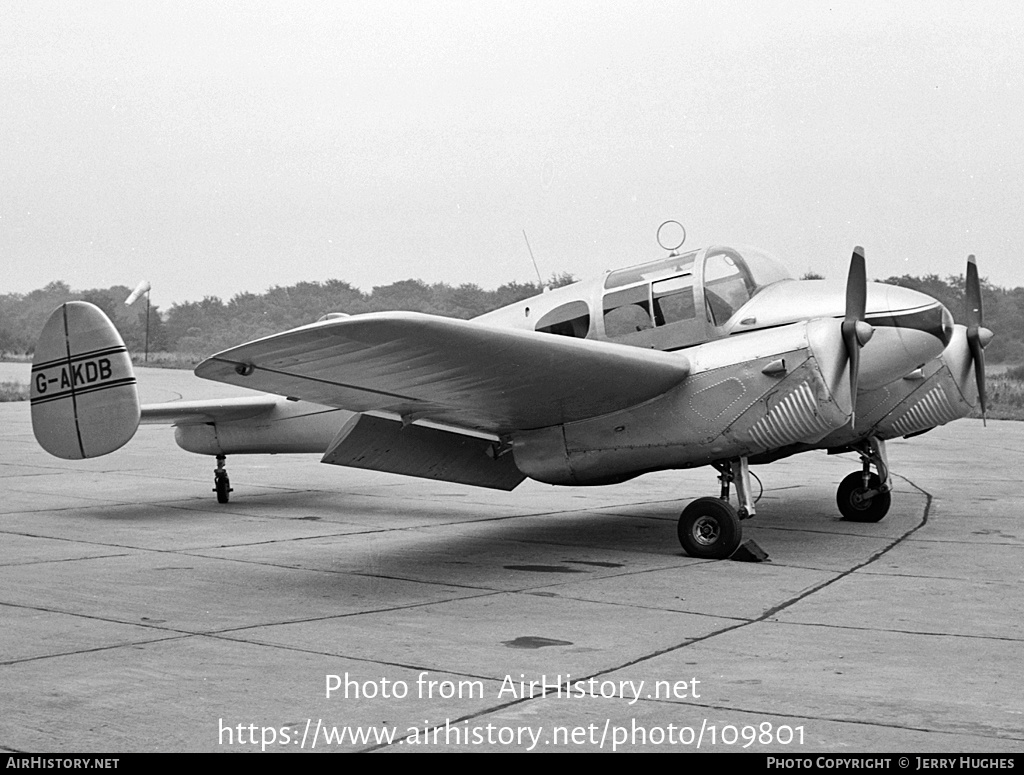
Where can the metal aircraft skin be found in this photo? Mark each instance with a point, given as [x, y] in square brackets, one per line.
[709, 357]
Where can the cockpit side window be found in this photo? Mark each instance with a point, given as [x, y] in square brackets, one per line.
[727, 286]
[673, 300]
[628, 311]
[572, 319]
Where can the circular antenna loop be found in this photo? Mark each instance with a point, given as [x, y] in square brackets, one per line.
[671, 236]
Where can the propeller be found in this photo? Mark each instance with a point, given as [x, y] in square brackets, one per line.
[856, 331]
[977, 335]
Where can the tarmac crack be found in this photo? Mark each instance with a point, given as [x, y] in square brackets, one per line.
[327, 617]
[352, 658]
[1010, 542]
[765, 616]
[829, 719]
[637, 606]
[926, 577]
[93, 617]
[872, 558]
[109, 647]
[60, 560]
[178, 635]
[923, 633]
[222, 634]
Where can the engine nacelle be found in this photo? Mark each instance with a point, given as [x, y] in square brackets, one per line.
[745, 396]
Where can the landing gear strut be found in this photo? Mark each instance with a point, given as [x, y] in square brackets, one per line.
[221, 483]
[864, 496]
[709, 528]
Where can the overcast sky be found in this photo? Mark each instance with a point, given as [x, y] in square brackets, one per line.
[222, 147]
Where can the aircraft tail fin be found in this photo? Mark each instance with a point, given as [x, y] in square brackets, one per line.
[84, 397]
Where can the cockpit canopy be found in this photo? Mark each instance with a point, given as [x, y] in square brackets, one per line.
[732, 279]
[685, 293]
[667, 304]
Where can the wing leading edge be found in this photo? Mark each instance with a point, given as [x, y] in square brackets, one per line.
[449, 371]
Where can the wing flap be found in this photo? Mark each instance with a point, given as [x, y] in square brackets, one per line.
[379, 444]
[449, 371]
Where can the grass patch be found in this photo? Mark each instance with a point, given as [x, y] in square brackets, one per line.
[1005, 396]
[162, 360]
[13, 391]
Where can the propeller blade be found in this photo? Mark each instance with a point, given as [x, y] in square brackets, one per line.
[978, 356]
[856, 287]
[975, 327]
[856, 305]
[975, 313]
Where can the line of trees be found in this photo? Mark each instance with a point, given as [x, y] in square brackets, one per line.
[198, 328]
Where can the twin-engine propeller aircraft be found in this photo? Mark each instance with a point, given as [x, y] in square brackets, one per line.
[709, 357]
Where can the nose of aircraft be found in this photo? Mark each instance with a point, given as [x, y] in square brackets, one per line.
[911, 328]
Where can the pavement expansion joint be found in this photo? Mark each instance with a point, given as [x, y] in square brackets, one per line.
[927, 577]
[825, 718]
[62, 559]
[661, 609]
[96, 649]
[428, 582]
[898, 631]
[351, 657]
[350, 614]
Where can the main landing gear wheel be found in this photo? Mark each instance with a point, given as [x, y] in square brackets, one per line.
[857, 504]
[709, 529]
[222, 486]
[221, 483]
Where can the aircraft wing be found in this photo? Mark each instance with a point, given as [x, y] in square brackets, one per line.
[456, 372]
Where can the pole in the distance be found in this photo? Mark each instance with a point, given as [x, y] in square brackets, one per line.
[142, 288]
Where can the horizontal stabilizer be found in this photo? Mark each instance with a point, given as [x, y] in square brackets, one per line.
[208, 411]
[83, 393]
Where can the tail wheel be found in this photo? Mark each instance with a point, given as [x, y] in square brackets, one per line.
[855, 505]
[709, 528]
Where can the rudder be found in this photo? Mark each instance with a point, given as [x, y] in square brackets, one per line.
[83, 394]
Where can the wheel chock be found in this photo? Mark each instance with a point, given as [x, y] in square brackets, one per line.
[749, 551]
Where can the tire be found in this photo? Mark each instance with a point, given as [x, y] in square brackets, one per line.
[222, 487]
[709, 529]
[856, 509]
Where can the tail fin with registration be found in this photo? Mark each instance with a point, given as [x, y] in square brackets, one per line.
[84, 397]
